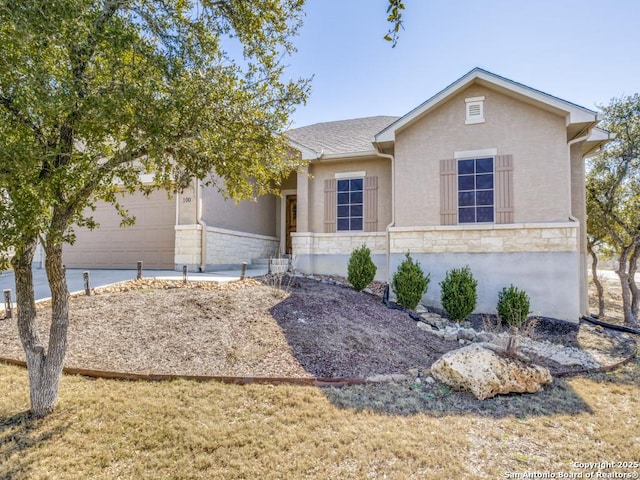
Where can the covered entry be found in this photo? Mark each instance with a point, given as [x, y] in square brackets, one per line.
[151, 239]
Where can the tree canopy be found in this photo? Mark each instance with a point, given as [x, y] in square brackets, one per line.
[95, 92]
[90, 89]
[394, 17]
[613, 196]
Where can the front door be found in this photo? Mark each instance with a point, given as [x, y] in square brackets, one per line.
[291, 221]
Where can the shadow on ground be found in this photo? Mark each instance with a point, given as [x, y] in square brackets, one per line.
[19, 435]
[406, 398]
[336, 332]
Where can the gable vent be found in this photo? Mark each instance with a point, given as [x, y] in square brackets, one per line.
[475, 110]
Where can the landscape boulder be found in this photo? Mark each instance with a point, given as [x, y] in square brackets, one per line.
[487, 373]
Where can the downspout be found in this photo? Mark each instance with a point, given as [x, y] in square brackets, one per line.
[581, 262]
[569, 144]
[393, 207]
[203, 227]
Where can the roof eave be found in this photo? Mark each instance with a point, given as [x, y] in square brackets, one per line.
[597, 139]
[575, 113]
[347, 155]
[307, 153]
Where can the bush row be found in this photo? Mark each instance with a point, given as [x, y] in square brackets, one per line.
[458, 289]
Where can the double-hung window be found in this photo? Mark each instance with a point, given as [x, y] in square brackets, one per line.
[476, 190]
[350, 204]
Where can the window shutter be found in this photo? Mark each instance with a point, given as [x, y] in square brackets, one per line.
[504, 188]
[448, 192]
[330, 205]
[370, 204]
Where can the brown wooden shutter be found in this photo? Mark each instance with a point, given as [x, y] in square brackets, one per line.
[504, 188]
[370, 204]
[448, 192]
[330, 207]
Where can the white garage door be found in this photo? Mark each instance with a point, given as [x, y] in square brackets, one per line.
[151, 239]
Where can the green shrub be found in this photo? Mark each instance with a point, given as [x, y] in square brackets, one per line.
[513, 306]
[361, 270]
[459, 295]
[409, 283]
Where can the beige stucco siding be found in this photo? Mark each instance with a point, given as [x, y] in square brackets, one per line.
[373, 166]
[251, 217]
[247, 216]
[536, 138]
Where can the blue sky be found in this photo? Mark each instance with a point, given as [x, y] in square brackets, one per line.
[583, 51]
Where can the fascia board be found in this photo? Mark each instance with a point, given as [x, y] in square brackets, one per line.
[596, 141]
[389, 133]
[575, 113]
[307, 153]
[347, 156]
[600, 134]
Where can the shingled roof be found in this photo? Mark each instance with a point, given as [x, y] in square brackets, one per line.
[341, 137]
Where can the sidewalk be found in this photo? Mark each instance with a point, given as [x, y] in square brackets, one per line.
[101, 278]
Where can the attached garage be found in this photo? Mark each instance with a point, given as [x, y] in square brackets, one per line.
[151, 239]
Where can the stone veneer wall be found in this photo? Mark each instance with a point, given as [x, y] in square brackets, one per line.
[224, 247]
[332, 243]
[541, 258]
[494, 238]
[328, 253]
[534, 237]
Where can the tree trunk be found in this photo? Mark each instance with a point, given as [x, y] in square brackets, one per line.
[596, 280]
[25, 298]
[44, 368]
[633, 286]
[623, 274]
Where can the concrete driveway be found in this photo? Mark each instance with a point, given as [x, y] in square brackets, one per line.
[100, 278]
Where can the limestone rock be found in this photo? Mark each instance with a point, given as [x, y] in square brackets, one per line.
[467, 334]
[438, 333]
[423, 326]
[485, 337]
[421, 309]
[487, 374]
[451, 334]
[434, 320]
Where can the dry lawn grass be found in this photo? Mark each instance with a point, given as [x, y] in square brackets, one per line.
[110, 429]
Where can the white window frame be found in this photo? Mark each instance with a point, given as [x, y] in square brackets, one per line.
[475, 190]
[349, 176]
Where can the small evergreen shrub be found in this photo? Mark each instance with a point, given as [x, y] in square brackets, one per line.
[361, 269]
[459, 295]
[513, 306]
[409, 282]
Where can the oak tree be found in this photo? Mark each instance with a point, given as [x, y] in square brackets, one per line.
[93, 93]
[613, 196]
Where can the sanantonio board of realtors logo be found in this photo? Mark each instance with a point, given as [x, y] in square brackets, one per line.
[589, 470]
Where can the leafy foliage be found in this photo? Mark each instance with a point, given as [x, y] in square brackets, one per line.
[394, 11]
[613, 197]
[513, 306]
[409, 282]
[459, 293]
[95, 93]
[361, 270]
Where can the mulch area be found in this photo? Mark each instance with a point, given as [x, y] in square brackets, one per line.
[276, 326]
[304, 328]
